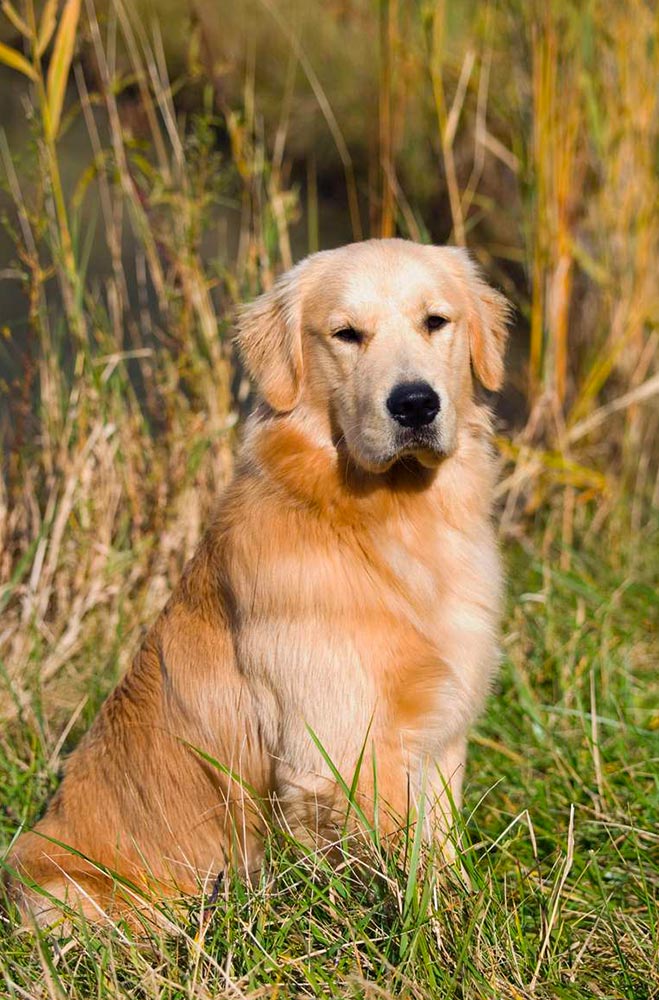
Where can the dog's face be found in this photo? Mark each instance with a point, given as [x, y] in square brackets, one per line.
[379, 339]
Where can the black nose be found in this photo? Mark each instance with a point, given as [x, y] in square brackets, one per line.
[413, 404]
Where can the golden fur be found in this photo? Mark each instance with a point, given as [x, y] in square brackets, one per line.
[348, 585]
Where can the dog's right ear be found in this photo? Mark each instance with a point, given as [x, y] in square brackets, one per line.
[269, 339]
[487, 321]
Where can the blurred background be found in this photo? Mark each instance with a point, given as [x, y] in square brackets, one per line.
[161, 161]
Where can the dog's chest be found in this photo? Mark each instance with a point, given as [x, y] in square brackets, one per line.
[446, 596]
[410, 577]
[397, 623]
[428, 572]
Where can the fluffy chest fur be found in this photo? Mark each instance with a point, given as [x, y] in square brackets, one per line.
[362, 606]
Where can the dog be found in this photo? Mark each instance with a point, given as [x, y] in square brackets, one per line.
[338, 624]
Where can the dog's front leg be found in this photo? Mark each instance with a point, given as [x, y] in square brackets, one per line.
[441, 791]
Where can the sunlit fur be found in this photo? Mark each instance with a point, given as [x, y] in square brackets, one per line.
[346, 592]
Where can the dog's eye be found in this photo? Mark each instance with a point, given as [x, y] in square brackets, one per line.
[436, 323]
[348, 335]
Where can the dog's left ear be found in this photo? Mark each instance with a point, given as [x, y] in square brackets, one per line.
[488, 317]
[269, 339]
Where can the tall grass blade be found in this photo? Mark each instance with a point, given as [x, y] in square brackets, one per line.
[10, 57]
[348, 790]
[410, 906]
[12, 15]
[58, 71]
[47, 26]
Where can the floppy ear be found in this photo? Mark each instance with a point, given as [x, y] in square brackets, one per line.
[269, 339]
[488, 317]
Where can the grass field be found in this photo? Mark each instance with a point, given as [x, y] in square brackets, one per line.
[137, 213]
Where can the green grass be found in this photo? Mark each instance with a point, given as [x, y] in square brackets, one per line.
[560, 834]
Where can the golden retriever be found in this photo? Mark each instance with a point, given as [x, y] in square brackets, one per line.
[345, 596]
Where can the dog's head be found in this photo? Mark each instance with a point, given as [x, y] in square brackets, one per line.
[379, 339]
